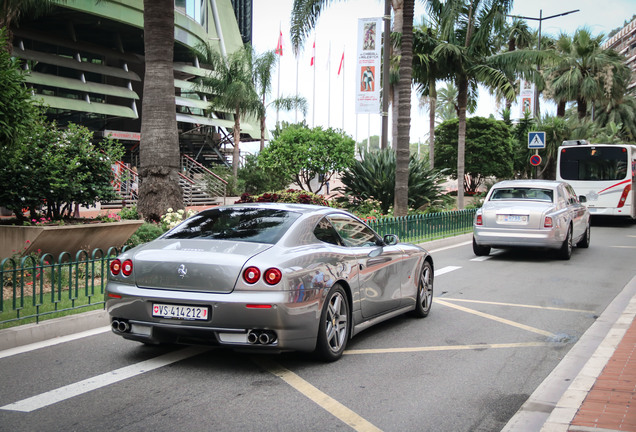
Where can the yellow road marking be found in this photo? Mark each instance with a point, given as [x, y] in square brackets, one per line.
[326, 402]
[446, 348]
[519, 305]
[496, 318]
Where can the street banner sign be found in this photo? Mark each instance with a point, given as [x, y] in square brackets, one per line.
[536, 140]
[535, 160]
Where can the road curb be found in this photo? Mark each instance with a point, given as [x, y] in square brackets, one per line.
[49, 329]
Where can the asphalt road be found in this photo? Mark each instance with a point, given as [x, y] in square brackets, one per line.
[498, 327]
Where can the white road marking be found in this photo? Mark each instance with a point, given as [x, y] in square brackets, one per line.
[94, 383]
[496, 318]
[55, 341]
[329, 404]
[481, 258]
[450, 247]
[445, 348]
[519, 305]
[624, 247]
[445, 270]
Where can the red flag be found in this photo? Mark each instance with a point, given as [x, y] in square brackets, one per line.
[341, 63]
[279, 46]
[313, 54]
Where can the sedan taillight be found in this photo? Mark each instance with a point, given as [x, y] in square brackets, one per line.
[273, 276]
[479, 220]
[548, 222]
[251, 275]
[127, 267]
[115, 267]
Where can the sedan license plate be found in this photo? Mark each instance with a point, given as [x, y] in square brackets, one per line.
[512, 219]
[180, 312]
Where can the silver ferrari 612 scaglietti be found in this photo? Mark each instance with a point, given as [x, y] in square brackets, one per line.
[268, 277]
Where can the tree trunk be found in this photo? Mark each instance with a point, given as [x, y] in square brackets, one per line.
[159, 147]
[462, 102]
[398, 20]
[404, 114]
[263, 124]
[432, 96]
[581, 107]
[236, 153]
[561, 109]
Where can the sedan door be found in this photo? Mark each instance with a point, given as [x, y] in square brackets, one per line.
[577, 212]
[380, 266]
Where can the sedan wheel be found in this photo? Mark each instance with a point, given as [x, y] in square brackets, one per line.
[585, 240]
[566, 248]
[424, 291]
[480, 250]
[333, 331]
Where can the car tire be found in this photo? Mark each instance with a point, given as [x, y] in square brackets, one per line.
[333, 330]
[565, 252]
[424, 291]
[480, 250]
[585, 240]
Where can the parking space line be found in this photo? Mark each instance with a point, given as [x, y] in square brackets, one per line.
[317, 396]
[446, 269]
[94, 383]
[53, 341]
[481, 258]
[519, 305]
[445, 348]
[496, 318]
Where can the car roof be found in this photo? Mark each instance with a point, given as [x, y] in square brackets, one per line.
[300, 208]
[529, 183]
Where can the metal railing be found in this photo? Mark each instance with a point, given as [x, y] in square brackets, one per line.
[35, 287]
[32, 288]
[420, 228]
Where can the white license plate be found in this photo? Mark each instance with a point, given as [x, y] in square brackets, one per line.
[180, 312]
[512, 219]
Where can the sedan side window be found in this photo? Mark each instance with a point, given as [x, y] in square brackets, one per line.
[353, 232]
[325, 232]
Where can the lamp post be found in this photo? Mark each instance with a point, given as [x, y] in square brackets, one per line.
[541, 18]
[385, 73]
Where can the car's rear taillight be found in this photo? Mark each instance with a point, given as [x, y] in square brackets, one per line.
[548, 222]
[127, 267]
[115, 267]
[621, 201]
[479, 220]
[251, 275]
[273, 276]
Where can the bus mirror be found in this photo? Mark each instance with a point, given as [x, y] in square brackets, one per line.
[582, 199]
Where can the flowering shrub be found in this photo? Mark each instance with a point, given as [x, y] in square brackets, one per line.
[173, 218]
[110, 217]
[292, 196]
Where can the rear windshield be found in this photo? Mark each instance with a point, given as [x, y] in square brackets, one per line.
[518, 193]
[256, 225]
[593, 163]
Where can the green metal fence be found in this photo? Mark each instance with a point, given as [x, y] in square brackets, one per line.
[32, 287]
[421, 228]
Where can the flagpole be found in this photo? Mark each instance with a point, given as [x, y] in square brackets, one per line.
[313, 107]
[296, 109]
[343, 87]
[280, 32]
[329, 87]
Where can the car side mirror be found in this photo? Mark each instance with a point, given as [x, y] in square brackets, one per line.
[582, 199]
[391, 239]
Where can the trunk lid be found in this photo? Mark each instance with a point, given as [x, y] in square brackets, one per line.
[192, 265]
[516, 214]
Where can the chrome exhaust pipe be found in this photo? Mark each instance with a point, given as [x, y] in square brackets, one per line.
[115, 325]
[123, 326]
[252, 337]
[264, 338]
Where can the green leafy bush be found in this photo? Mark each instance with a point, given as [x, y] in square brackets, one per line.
[129, 213]
[145, 233]
[373, 178]
[292, 196]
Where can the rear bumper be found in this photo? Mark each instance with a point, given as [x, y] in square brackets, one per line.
[293, 317]
[509, 237]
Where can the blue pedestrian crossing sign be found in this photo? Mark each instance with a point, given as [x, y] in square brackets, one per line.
[536, 140]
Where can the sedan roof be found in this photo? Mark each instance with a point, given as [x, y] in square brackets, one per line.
[529, 183]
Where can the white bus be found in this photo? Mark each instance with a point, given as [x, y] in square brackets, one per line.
[603, 173]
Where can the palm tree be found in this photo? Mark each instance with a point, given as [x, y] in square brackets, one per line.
[263, 68]
[304, 16]
[12, 10]
[159, 147]
[584, 72]
[467, 33]
[232, 88]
